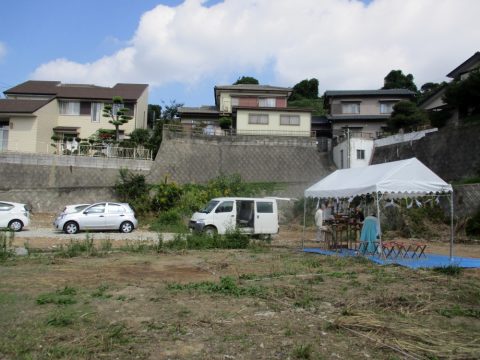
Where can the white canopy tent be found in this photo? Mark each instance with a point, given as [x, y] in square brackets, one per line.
[397, 179]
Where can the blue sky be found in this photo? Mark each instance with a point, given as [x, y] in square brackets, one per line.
[183, 48]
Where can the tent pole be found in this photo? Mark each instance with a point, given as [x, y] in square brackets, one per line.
[451, 226]
[304, 215]
[379, 223]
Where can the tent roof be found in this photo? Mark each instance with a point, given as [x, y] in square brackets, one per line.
[398, 178]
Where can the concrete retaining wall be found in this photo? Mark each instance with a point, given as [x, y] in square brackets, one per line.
[453, 153]
[48, 183]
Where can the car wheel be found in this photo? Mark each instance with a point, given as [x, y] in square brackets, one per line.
[71, 227]
[210, 231]
[126, 227]
[15, 225]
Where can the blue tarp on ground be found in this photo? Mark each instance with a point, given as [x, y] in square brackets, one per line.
[430, 261]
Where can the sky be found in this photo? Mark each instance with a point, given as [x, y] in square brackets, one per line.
[183, 48]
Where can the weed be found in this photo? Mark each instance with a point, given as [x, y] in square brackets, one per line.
[305, 301]
[303, 352]
[6, 240]
[451, 270]
[227, 286]
[100, 292]
[60, 319]
[59, 297]
[459, 311]
[106, 245]
[76, 248]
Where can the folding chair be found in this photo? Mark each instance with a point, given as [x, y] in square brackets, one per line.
[418, 249]
[389, 248]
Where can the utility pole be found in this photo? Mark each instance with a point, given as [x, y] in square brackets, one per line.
[348, 147]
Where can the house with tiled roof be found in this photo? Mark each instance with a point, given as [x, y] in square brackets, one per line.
[34, 111]
[253, 109]
[362, 111]
[434, 101]
[357, 117]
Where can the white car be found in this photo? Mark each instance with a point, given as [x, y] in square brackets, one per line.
[99, 216]
[69, 209]
[13, 216]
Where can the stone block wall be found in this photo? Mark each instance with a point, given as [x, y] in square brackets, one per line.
[191, 160]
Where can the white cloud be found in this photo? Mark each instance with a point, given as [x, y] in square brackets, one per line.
[3, 50]
[345, 44]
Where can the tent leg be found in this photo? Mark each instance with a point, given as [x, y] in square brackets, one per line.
[379, 224]
[452, 231]
[304, 217]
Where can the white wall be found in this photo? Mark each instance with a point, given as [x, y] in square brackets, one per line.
[273, 126]
[350, 153]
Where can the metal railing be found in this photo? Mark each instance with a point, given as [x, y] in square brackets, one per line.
[86, 150]
[105, 150]
[215, 131]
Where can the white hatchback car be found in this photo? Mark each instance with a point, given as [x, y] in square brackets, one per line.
[99, 216]
[14, 216]
[68, 209]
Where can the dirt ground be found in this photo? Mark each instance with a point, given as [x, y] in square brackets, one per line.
[269, 301]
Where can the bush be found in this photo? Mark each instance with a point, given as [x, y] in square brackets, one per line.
[130, 185]
[166, 196]
[170, 221]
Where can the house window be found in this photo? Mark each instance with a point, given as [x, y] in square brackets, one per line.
[69, 107]
[4, 135]
[260, 119]
[96, 112]
[360, 154]
[266, 102]
[289, 120]
[386, 107]
[235, 101]
[351, 107]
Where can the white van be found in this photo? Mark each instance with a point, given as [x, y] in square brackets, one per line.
[249, 215]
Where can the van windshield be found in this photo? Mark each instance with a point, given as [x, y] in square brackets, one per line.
[210, 206]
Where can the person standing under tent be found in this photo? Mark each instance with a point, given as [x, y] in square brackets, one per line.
[319, 218]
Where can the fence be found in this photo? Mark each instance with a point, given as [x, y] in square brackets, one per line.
[78, 149]
[211, 131]
[273, 138]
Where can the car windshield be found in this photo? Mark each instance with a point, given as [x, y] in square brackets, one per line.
[210, 206]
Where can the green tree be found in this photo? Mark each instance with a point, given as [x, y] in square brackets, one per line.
[396, 79]
[225, 122]
[407, 116]
[118, 114]
[154, 113]
[170, 111]
[305, 95]
[246, 80]
[305, 89]
[140, 136]
[465, 95]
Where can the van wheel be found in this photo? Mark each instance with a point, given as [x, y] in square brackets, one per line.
[126, 227]
[71, 227]
[210, 231]
[15, 225]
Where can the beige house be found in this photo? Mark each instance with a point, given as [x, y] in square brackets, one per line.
[34, 111]
[254, 110]
[362, 111]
